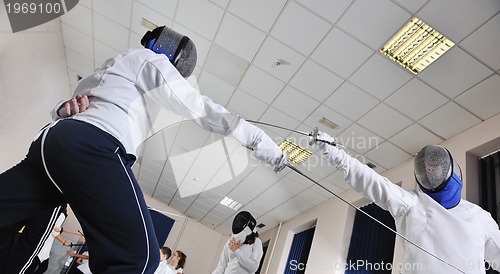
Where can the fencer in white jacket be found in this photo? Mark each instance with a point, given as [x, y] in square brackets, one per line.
[85, 156]
[243, 251]
[435, 217]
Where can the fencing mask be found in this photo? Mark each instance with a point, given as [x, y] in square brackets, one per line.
[179, 49]
[438, 176]
[243, 225]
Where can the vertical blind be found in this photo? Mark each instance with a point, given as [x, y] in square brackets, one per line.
[162, 225]
[299, 252]
[372, 246]
[489, 187]
[264, 251]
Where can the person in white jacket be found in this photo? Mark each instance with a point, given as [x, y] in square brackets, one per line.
[85, 156]
[243, 251]
[457, 236]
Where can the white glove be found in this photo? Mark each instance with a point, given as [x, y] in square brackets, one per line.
[256, 139]
[328, 150]
[268, 151]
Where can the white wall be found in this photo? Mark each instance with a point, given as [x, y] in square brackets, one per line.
[200, 243]
[33, 77]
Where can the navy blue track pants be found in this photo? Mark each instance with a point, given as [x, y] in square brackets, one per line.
[76, 162]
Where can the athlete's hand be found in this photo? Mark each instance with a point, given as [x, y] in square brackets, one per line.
[234, 245]
[73, 106]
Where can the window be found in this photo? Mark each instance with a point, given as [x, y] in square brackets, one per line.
[299, 251]
[489, 188]
[372, 245]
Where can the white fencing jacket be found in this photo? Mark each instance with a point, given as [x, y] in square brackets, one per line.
[128, 91]
[464, 236]
[245, 260]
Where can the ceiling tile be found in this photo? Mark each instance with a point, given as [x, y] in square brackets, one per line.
[295, 103]
[134, 41]
[482, 99]
[73, 78]
[342, 101]
[79, 63]
[413, 138]
[291, 184]
[299, 204]
[190, 11]
[449, 120]
[276, 117]
[246, 105]
[384, 121]
[118, 11]
[244, 193]
[261, 84]
[358, 139]
[334, 183]
[272, 198]
[86, 3]
[285, 211]
[239, 37]
[149, 12]
[110, 33]
[297, 33]
[162, 6]
[373, 22]
[416, 99]
[314, 197]
[80, 17]
[462, 16]
[260, 13]
[221, 3]
[257, 208]
[330, 10]
[77, 41]
[215, 88]
[196, 213]
[316, 166]
[103, 53]
[225, 65]
[270, 52]
[412, 5]
[483, 43]
[315, 81]
[324, 112]
[380, 77]
[341, 53]
[454, 73]
[388, 155]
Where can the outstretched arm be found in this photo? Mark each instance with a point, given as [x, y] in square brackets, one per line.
[164, 85]
[366, 181]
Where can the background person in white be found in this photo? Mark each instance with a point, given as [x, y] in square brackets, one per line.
[243, 251]
[436, 218]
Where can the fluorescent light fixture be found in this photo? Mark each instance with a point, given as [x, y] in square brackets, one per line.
[328, 123]
[231, 203]
[416, 46]
[297, 154]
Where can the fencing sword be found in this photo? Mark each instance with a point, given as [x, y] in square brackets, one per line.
[313, 136]
[312, 140]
